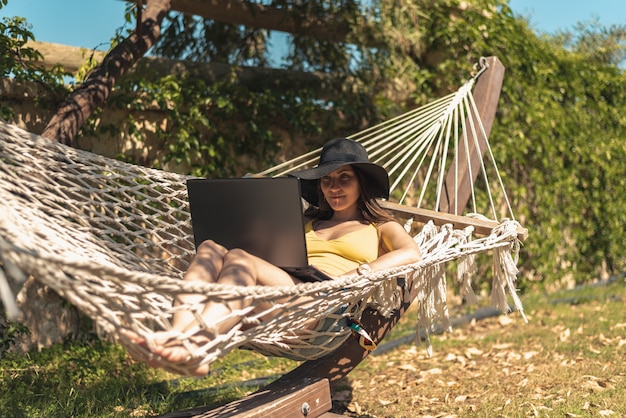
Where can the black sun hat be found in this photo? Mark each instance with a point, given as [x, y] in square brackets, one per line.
[338, 153]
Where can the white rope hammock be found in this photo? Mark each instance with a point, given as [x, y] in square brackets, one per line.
[114, 240]
[418, 147]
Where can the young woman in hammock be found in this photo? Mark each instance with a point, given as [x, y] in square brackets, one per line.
[347, 233]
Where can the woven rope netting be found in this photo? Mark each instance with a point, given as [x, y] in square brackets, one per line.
[114, 239]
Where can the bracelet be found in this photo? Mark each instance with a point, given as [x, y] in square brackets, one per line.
[364, 269]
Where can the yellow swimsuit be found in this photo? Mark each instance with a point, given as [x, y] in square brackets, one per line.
[337, 256]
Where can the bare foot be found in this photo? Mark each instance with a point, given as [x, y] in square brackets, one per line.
[171, 353]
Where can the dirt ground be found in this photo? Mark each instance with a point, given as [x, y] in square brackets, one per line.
[565, 362]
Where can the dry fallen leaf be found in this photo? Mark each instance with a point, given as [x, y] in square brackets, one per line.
[529, 354]
[502, 346]
[408, 368]
[504, 320]
[592, 385]
[450, 357]
[354, 407]
[473, 351]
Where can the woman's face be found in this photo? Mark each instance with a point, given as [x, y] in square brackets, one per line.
[341, 188]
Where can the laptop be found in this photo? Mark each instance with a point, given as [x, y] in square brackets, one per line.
[262, 216]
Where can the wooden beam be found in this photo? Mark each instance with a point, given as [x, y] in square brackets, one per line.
[481, 226]
[333, 27]
[326, 85]
[295, 399]
[254, 15]
[486, 94]
[71, 58]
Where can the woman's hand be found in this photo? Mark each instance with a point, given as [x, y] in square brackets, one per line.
[347, 275]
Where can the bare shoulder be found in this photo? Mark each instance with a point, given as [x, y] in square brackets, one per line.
[392, 234]
[393, 237]
[390, 228]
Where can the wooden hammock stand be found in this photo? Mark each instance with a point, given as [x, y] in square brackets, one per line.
[305, 391]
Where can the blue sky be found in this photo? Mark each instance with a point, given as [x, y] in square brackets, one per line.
[91, 23]
[552, 15]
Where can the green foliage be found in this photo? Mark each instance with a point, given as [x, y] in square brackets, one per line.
[559, 133]
[211, 124]
[21, 62]
[558, 138]
[568, 138]
[10, 332]
[594, 41]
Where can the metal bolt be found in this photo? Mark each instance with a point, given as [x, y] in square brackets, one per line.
[305, 409]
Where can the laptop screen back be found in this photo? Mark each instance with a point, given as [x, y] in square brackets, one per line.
[260, 215]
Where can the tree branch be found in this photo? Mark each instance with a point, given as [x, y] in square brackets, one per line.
[91, 94]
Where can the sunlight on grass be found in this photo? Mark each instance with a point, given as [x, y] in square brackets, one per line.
[99, 379]
[567, 361]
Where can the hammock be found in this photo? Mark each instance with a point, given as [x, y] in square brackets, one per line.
[114, 239]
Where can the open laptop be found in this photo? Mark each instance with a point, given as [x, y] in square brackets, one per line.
[262, 216]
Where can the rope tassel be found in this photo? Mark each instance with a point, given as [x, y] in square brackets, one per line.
[360, 334]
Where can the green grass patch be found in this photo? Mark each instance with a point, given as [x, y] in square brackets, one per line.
[98, 379]
[567, 361]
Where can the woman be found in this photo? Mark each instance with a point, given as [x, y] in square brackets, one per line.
[347, 233]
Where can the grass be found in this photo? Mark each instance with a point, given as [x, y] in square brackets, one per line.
[98, 379]
[568, 361]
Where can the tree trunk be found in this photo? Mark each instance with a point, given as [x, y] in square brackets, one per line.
[91, 94]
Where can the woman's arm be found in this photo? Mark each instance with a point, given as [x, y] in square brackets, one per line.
[397, 248]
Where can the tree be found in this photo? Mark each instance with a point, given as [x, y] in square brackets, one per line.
[94, 91]
[558, 134]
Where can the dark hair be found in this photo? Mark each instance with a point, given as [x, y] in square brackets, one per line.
[368, 205]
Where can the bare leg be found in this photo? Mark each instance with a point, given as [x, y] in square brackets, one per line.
[214, 264]
[205, 266]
